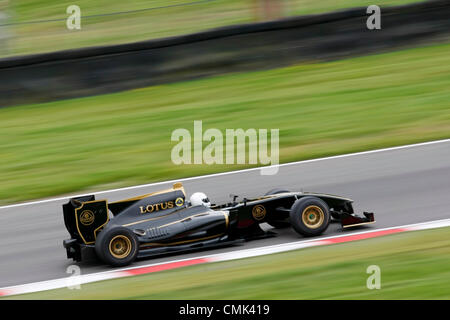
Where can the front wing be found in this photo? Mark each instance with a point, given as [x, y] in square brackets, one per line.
[350, 220]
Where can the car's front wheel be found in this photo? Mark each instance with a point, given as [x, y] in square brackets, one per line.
[310, 216]
[117, 246]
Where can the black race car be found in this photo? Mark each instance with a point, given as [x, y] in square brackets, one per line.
[164, 221]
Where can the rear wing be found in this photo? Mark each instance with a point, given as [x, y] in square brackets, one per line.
[84, 217]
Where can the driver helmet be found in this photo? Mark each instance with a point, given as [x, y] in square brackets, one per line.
[199, 198]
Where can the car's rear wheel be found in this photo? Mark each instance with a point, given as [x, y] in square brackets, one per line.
[277, 224]
[117, 246]
[310, 216]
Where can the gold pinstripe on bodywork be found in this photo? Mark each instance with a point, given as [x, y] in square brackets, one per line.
[358, 224]
[225, 214]
[146, 220]
[176, 186]
[156, 244]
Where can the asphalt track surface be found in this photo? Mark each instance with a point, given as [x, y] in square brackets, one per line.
[402, 186]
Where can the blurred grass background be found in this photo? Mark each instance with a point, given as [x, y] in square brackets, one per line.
[113, 29]
[413, 265]
[321, 109]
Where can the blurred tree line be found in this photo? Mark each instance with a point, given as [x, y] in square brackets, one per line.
[263, 10]
[269, 9]
[4, 30]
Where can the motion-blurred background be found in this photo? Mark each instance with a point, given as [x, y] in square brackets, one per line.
[97, 119]
[31, 26]
[89, 119]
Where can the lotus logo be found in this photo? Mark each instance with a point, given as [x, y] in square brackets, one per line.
[259, 212]
[87, 217]
[179, 202]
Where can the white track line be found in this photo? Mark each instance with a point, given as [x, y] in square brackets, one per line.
[231, 172]
[227, 256]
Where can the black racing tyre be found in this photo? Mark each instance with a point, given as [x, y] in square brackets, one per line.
[276, 191]
[117, 246]
[278, 224]
[310, 216]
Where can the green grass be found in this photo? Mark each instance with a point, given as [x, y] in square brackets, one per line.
[413, 266]
[44, 37]
[321, 109]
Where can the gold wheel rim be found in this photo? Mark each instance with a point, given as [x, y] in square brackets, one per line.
[313, 217]
[120, 247]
